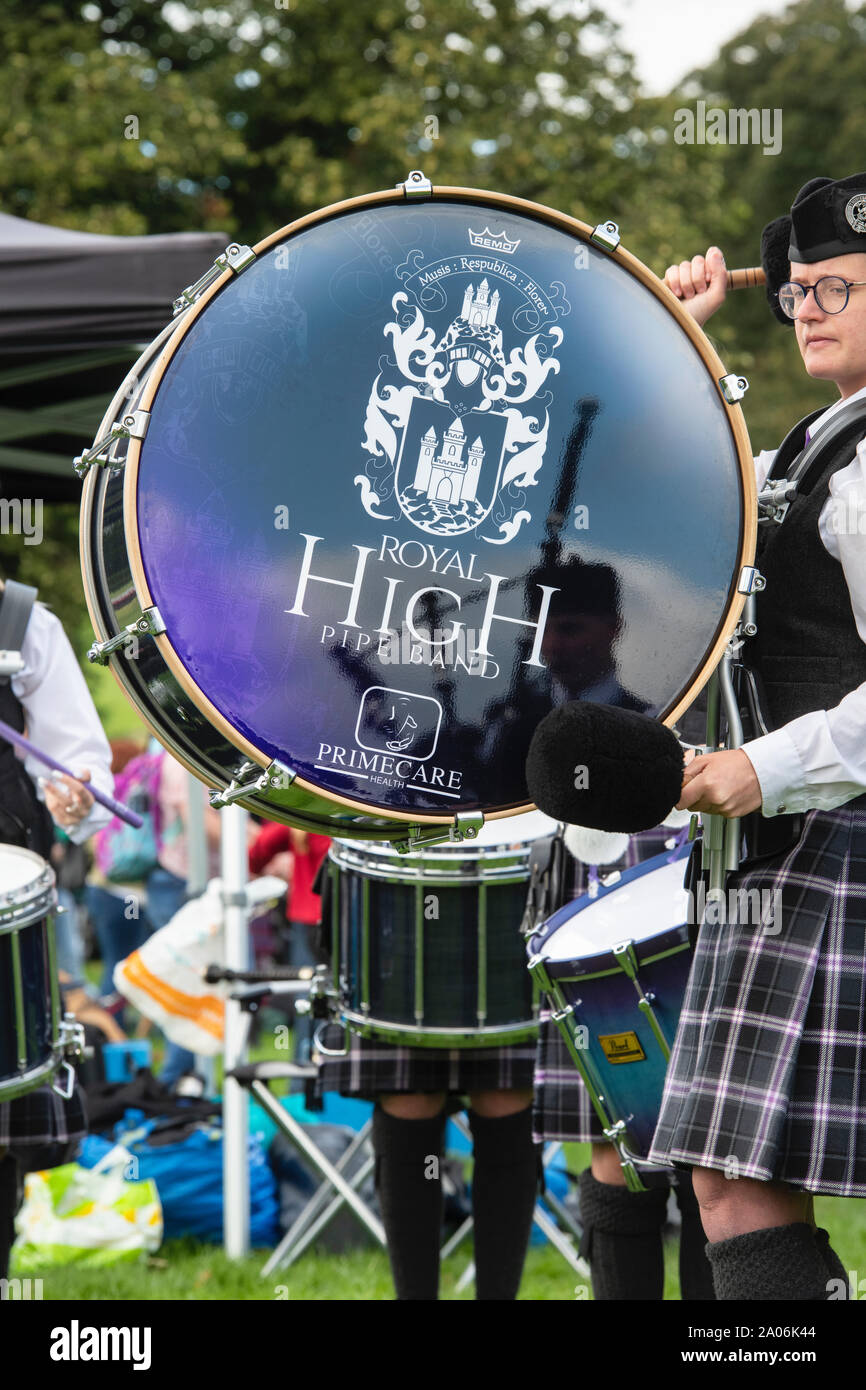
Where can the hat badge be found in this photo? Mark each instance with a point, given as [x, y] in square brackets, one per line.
[855, 212]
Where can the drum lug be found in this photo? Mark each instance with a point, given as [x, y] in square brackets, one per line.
[626, 959]
[733, 387]
[417, 185]
[751, 580]
[615, 1134]
[235, 257]
[150, 624]
[132, 426]
[606, 235]
[275, 775]
[465, 827]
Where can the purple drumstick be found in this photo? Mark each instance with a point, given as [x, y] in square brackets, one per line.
[118, 808]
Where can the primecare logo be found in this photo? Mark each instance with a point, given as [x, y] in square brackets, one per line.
[76, 1343]
[736, 126]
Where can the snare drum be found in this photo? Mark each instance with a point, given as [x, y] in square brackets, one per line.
[615, 968]
[31, 1048]
[427, 947]
[339, 515]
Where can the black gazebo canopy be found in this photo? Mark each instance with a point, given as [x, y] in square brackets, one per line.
[75, 309]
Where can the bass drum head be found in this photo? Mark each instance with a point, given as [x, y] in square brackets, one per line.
[420, 473]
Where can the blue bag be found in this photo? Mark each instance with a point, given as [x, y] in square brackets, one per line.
[188, 1172]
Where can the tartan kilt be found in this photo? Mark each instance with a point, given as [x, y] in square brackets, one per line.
[374, 1068]
[767, 1077]
[561, 1106]
[41, 1129]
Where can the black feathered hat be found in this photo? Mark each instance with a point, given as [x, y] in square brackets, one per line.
[828, 218]
[775, 239]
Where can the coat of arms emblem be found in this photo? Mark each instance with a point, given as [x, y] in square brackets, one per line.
[457, 418]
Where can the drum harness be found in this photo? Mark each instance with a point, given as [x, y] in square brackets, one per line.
[763, 836]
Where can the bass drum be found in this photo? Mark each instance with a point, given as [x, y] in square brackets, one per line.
[400, 478]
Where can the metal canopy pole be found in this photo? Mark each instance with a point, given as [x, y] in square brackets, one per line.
[236, 1176]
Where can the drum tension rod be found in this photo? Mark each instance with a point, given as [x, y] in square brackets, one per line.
[275, 775]
[465, 827]
[235, 257]
[132, 426]
[150, 624]
[626, 959]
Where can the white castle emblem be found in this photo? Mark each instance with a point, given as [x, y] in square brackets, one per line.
[446, 476]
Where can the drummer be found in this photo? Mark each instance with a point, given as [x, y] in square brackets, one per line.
[47, 696]
[414, 1089]
[766, 1079]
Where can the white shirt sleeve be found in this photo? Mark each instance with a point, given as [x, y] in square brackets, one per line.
[61, 716]
[819, 760]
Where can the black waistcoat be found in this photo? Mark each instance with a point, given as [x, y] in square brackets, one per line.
[807, 650]
[24, 820]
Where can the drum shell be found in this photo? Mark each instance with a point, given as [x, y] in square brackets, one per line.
[604, 1002]
[30, 1012]
[429, 952]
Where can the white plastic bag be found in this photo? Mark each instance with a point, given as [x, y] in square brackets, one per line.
[164, 978]
[92, 1216]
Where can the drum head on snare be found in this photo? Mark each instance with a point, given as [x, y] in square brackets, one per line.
[642, 907]
[21, 874]
[415, 476]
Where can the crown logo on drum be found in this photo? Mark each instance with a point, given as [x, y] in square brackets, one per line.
[493, 241]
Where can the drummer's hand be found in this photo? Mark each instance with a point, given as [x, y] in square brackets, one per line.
[699, 284]
[721, 784]
[68, 800]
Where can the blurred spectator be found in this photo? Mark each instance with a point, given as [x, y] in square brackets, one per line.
[43, 692]
[167, 883]
[119, 925]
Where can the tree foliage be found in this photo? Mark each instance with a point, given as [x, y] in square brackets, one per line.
[249, 113]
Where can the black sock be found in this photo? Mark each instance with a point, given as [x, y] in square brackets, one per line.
[8, 1207]
[622, 1239]
[504, 1189]
[696, 1273]
[841, 1291]
[410, 1197]
[780, 1264]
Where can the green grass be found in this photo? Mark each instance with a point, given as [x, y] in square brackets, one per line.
[186, 1269]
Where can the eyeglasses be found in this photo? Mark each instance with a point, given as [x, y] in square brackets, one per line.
[831, 294]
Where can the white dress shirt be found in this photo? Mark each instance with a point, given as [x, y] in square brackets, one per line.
[819, 760]
[60, 715]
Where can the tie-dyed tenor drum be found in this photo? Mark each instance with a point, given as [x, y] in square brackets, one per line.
[614, 967]
[401, 477]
